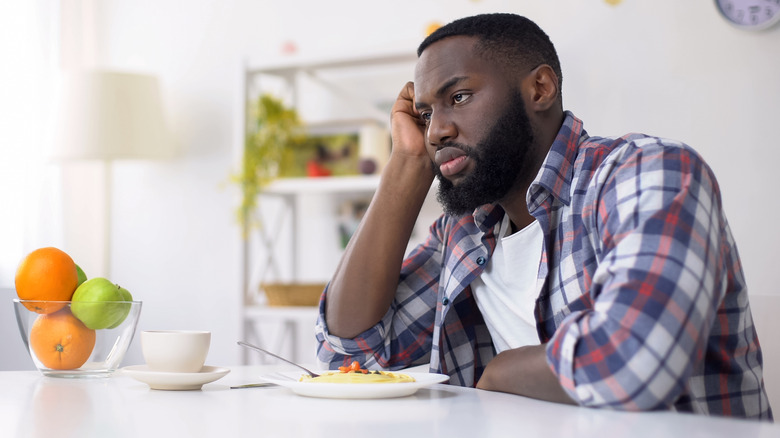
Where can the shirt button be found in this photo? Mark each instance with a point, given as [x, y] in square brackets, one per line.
[445, 301]
[480, 260]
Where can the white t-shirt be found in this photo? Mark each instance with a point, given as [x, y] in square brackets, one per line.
[506, 291]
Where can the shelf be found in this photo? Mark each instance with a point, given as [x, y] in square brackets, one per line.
[325, 88]
[323, 185]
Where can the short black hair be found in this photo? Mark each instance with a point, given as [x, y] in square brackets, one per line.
[511, 39]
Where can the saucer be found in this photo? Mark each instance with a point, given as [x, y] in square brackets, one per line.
[175, 381]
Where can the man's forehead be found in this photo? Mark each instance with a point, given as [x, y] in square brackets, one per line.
[454, 47]
[445, 59]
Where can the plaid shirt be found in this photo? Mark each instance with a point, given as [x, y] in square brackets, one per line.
[642, 299]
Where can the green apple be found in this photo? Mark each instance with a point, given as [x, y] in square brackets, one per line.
[81, 275]
[99, 304]
[127, 297]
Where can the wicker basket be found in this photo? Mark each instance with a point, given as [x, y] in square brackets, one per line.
[293, 294]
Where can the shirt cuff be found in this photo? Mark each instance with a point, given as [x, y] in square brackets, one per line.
[368, 342]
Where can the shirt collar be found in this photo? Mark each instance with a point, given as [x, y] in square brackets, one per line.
[557, 171]
[554, 177]
[487, 216]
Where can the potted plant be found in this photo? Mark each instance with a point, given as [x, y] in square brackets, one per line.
[274, 127]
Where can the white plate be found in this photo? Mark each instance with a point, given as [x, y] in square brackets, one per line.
[352, 390]
[175, 381]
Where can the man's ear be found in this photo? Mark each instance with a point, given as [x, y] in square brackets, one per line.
[541, 88]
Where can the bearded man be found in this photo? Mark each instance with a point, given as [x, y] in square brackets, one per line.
[594, 271]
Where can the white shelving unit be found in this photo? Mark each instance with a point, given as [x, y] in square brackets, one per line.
[292, 192]
[363, 83]
[329, 92]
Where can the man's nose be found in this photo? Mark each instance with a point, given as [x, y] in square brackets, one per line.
[440, 129]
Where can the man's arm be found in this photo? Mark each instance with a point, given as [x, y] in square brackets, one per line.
[523, 371]
[661, 271]
[365, 280]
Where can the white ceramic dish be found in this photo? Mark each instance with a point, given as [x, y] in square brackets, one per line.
[347, 390]
[175, 381]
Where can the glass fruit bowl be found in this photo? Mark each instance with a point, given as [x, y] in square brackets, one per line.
[77, 339]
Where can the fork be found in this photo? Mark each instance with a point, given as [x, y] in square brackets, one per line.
[256, 348]
[265, 384]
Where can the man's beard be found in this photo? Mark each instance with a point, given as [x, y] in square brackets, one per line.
[500, 160]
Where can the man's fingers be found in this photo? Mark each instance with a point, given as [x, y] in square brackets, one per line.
[405, 101]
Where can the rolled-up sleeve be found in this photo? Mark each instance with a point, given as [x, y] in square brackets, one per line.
[403, 337]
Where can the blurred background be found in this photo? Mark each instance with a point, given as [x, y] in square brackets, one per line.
[163, 225]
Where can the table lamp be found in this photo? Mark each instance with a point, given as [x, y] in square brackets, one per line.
[107, 116]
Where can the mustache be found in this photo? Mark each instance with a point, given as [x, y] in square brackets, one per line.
[468, 150]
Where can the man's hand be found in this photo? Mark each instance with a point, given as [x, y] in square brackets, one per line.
[408, 129]
[524, 371]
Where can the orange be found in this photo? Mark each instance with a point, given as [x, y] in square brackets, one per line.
[60, 341]
[47, 274]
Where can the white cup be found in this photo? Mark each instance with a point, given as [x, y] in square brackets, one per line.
[175, 351]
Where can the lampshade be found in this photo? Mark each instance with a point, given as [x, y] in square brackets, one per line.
[108, 115]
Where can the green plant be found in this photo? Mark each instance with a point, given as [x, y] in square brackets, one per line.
[274, 127]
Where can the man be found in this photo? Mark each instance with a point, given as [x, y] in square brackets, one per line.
[569, 268]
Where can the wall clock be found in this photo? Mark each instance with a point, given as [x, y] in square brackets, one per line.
[750, 14]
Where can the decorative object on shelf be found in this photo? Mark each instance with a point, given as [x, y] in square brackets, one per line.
[367, 166]
[374, 147]
[343, 148]
[322, 155]
[750, 14]
[293, 294]
[274, 129]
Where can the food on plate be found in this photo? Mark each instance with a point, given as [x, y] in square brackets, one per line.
[369, 377]
[100, 304]
[46, 274]
[355, 374]
[60, 341]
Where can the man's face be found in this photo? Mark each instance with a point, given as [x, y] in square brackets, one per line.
[498, 159]
[478, 133]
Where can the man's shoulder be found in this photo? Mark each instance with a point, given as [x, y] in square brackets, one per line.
[638, 163]
[574, 140]
[630, 149]
[628, 143]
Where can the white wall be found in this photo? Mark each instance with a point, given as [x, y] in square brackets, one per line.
[665, 67]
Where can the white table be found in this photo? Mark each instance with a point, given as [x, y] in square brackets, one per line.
[35, 406]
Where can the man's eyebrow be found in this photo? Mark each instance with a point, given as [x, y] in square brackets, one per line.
[443, 89]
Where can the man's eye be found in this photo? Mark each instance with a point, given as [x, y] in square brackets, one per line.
[426, 117]
[460, 98]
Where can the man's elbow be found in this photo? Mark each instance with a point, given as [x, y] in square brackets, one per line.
[638, 397]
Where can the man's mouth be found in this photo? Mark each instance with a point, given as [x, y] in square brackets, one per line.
[451, 161]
